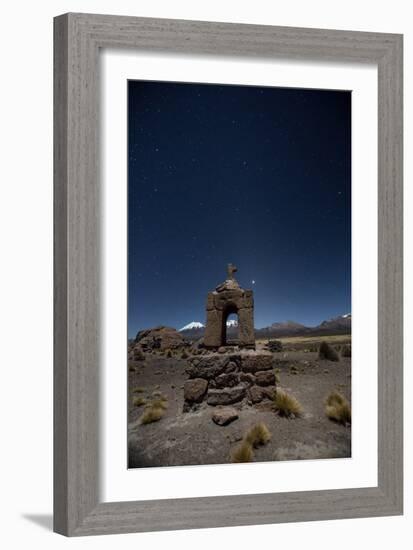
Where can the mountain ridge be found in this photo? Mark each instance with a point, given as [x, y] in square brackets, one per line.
[337, 325]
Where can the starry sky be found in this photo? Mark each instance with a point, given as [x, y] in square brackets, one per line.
[256, 176]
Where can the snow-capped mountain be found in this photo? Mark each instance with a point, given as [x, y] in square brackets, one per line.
[192, 326]
[338, 325]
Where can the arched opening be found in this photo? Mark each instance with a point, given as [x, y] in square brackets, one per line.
[230, 326]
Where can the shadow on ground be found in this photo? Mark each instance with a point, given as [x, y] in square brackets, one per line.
[43, 520]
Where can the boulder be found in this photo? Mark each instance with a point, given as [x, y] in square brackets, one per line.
[265, 378]
[194, 390]
[224, 416]
[226, 396]
[160, 338]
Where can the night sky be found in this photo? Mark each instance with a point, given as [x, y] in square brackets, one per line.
[260, 177]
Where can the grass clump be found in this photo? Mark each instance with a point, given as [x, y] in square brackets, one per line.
[255, 436]
[287, 405]
[160, 403]
[154, 410]
[338, 408]
[327, 352]
[242, 453]
[138, 401]
[151, 414]
[346, 351]
[138, 389]
[258, 435]
[184, 355]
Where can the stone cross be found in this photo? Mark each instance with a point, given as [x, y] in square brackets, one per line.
[231, 269]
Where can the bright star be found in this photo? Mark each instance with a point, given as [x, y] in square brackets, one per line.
[253, 282]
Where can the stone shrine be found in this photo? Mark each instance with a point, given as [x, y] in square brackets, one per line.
[226, 299]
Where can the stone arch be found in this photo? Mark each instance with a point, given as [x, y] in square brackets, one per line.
[229, 309]
[229, 298]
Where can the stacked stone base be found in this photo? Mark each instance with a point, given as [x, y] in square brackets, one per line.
[230, 379]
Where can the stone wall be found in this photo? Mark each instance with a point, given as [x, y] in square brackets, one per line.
[226, 379]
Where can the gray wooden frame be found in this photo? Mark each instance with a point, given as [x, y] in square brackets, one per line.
[78, 39]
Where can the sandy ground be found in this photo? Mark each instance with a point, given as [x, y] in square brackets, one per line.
[193, 438]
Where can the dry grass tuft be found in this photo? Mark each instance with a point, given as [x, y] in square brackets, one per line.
[327, 352]
[138, 401]
[138, 389]
[159, 403]
[255, 436]
[154, 410]
[338, 408]
[151, 414]
[242, 453]
[258, 435]
[286, 405]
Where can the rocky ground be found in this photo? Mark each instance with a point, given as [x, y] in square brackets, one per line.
[188, 438]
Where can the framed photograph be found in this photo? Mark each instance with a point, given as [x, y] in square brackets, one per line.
[228, 274]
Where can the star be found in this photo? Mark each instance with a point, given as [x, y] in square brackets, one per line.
[253, 282]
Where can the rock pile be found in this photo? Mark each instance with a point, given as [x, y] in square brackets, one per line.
[159, 338]
[220, 380]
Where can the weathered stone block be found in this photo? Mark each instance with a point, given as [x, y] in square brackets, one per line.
[265, 378]
[227, 380]
[255, 394]
[207, 367]
[231, 367]
[254, 363]
[226, 396]
[195, 390]
[248, 378]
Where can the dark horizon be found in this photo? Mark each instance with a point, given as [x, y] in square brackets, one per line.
[259, 177]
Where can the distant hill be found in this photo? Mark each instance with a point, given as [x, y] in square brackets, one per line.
[337, 325]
